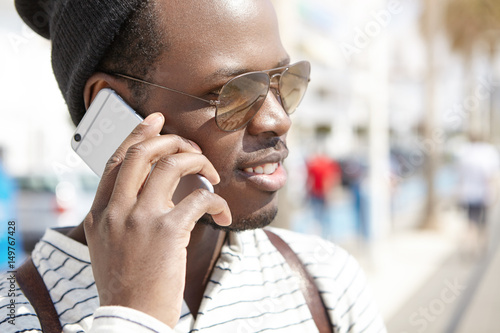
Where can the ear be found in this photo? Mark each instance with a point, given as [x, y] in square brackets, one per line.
[99, 81]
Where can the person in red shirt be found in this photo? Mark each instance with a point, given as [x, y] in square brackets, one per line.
[323, 174]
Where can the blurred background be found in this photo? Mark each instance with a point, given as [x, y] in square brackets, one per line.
[393, 152]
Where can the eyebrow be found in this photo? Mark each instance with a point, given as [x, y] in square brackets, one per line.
[227, 72]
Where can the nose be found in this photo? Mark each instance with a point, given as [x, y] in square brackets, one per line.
[271, 118]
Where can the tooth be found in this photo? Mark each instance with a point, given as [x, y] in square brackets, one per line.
[249, 170]
[259, 170]
[269, 168]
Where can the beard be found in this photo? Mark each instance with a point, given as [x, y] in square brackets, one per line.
[257, 221]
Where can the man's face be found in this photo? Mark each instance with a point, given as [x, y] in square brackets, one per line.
[209, 42]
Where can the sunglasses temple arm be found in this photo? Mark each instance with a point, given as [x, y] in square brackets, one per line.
[209, 101]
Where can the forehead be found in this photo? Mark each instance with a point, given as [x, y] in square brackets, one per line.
[205, 36]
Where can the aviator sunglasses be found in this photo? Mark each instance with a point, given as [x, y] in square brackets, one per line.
[241, 97]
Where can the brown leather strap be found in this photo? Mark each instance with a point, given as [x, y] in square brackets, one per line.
[36, 292]
[307, 285]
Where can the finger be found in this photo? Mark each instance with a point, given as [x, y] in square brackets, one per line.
[148, 128]
[139, 159]
[197, 204]
[168, 171]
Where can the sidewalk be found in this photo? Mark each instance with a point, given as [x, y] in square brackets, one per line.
[427, 281]
[481, 314]
[399, 265]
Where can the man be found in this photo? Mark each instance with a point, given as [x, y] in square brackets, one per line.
[140, 264]
[323, 175]
[478, 165]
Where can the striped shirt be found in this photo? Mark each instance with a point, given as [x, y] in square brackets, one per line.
[251, 289]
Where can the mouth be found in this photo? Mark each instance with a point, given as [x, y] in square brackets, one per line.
[265, 169]
[266, 174]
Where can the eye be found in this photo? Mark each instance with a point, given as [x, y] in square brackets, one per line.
[214, 93]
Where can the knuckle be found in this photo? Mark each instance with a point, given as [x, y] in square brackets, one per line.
[89, 221]
[177, 138]
[202, 194]
[111, 217]
[138, 131]
[133, 221]
[114, 161]
[179, 142]
[140, 217]
[167, 162]
[136, 151]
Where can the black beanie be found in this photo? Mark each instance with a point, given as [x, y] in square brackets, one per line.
[81, 31]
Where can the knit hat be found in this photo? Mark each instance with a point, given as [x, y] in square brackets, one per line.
[81, 31]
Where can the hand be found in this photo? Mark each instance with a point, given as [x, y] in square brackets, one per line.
[137, 238]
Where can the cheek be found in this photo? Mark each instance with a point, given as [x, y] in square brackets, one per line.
[224, 156]
[221, 148]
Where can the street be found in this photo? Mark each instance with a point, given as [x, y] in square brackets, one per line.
[462, 294]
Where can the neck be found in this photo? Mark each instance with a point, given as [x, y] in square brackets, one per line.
[202, 253]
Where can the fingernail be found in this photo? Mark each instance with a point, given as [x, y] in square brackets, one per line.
[153, 119]
[195, 146]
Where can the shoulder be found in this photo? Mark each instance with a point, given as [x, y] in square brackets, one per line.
[340, 280]
[313, 250]
[334, 270]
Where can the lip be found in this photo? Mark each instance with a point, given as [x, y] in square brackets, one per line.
[275, 157]
[266, 182]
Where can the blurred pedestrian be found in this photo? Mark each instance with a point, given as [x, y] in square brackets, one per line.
[478, 164]
[323, 175]
[353, 177]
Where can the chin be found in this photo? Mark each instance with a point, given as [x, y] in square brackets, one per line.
[250, 222]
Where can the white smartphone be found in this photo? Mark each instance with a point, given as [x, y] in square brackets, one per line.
[105, 125]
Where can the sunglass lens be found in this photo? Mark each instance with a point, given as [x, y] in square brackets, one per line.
[293, 85]
[240, 99]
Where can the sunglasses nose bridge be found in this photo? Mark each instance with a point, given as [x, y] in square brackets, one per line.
[274, 82]
[274, 85]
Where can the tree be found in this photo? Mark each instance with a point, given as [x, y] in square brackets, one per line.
[467, 24]
[471, 26]
[430, 24]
